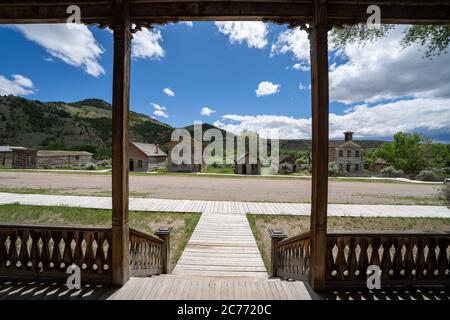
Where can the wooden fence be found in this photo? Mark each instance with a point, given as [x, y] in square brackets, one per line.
[45, 252]
[404, 259]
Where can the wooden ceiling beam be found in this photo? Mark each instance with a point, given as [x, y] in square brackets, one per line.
[159, 11]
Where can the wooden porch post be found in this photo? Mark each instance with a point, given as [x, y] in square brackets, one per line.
[319, 97]
[120, 108]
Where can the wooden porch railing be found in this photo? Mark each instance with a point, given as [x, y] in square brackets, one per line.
[149, 254]
[404, 259]
[45, 252]
[289, 256]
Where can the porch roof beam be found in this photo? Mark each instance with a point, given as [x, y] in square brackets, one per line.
[158, 11]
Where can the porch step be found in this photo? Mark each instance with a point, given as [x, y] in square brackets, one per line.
[177, 287]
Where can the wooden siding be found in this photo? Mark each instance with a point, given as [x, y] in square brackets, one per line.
[6, 159]
[61, 161]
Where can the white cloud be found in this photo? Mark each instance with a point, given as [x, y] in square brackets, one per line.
[301, 86]
[428, 116]
[267, 88]
[293, 41]
[18, 85]
[159, 110]
[168, 92]
[301, 66]
[75, 46]
[207, 111]
[188, 23]
[383, 70]
[146, 44]
[254, 33]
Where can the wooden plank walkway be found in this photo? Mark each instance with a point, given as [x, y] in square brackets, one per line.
[170, 205]
[172, 287]
[222, 245]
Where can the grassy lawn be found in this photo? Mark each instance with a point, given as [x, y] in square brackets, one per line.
[293, 225]
[211, 169]
[148, 222]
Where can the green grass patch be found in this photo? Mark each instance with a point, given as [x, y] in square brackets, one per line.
[293, 225]
[226, 170]
[148, 222]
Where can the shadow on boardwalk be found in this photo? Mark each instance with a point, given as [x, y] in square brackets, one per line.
[51, 290]
[46, 290]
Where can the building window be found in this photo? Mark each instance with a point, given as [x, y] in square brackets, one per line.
[341, 167]
[356, 167]
[140, 164]
[349, 153]
[341, 154]
[349, 167]
[357, 153]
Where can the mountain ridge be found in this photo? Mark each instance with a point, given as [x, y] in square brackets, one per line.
[87, 125]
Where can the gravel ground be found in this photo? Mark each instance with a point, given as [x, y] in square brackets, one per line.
[208, 188]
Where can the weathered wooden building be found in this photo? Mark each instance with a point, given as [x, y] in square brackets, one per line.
[189, 164]
[24, 158]
[347, 154]
[6, 155]
[146, 157]
[378, 165]
[247, 164]
[287, 164]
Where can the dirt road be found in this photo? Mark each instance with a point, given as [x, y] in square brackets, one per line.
[218, 188]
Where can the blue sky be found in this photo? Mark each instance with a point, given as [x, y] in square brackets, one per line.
[375, 91]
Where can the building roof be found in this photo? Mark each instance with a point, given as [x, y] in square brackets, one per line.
[61, 153]
[10, 148]
[150, 149]
[381, 161]
[251, 158]
[347, 144]
[286, 159]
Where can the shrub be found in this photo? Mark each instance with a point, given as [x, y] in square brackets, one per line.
[91, 166]
[333, 170]
[429, 175]
[306, 167]
[104, 163]
[391, 172]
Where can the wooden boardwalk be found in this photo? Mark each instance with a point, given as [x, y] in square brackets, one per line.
[222, 245]
[229, 207]
[172, 287]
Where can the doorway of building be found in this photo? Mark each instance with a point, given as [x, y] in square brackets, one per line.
[131, 165]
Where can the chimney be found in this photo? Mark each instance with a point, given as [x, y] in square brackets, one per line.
[348, 135]
[157, 148]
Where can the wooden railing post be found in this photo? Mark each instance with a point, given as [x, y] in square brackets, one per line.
[320, 99]
[120, 109]
[164, 234]
[275, 236]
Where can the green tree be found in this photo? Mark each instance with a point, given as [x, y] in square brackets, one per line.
[405, 152]
[434, 38]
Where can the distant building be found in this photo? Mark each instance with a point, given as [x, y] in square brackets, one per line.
[287, 165]
[247, 164]
[188, 166]
[378, 165]
[145, 157]
[6, 155]
[347, 154]
[23, 158]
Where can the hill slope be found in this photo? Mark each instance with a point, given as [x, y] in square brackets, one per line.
[83, 125]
